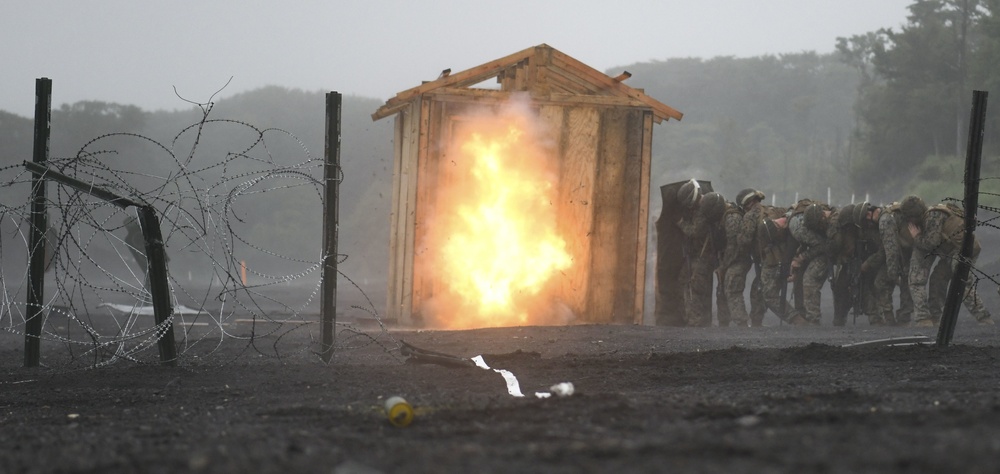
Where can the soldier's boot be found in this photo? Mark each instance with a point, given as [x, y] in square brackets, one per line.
[798, 320]
[876, 320]
[840, 319]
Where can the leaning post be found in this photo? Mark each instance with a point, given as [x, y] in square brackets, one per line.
[36, 238]
[973, 160]
[155, 253]
[331, 179]
[159, 286]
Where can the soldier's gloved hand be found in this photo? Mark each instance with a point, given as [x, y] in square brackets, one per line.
[865, 268]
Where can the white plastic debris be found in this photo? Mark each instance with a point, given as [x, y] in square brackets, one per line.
[146, 310]
[513, 387]
[563, 389]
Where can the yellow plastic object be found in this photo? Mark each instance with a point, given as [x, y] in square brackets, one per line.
[399, 411]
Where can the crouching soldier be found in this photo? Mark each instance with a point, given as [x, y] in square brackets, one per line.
[700, 251]
[740, 223]
[776, 249]
[889, 265]
[812, 262]
[938, 232]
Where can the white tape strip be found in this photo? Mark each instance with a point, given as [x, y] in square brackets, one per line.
[513, 387]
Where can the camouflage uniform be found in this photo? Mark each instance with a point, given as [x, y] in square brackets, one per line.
[814, 249]
[774, 249]
[890, 264]
[700, 260]
[852, 239]
[932, 242]
[869, 243]
[841, 250]
[741, 229]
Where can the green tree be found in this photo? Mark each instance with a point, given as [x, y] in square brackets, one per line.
[913, 92]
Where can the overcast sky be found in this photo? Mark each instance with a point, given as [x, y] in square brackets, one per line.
[136, 52]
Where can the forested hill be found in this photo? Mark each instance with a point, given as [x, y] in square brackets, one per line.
[366, 156]
[769, 122]
[882, 116]
[778, 123]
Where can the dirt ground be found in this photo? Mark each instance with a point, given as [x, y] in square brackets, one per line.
[646, 399]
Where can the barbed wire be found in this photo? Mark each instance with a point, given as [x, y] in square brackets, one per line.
[238, 288]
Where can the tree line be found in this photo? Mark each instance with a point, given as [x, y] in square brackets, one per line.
[883, 116]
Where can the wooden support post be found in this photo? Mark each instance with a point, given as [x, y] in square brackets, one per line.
[36, 239]
[156, 257]
[973, 160]
[331, 178]
[159, 287]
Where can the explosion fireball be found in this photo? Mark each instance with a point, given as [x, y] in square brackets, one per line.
[494, 246]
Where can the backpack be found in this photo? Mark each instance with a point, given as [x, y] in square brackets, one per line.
[801, 206]
[902, 229]
[953, 227]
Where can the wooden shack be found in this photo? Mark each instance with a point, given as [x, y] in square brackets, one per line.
[602, 130]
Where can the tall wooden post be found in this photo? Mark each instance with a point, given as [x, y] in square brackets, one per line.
[159, 287]
[331, 223]
[156, 257]
[36, 239]
[973, 162]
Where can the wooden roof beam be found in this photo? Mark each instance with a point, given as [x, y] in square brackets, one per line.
[624, 75]
[468, 77]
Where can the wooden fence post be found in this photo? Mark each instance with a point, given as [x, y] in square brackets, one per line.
[331, 179]
[973, 160]
[39, 224]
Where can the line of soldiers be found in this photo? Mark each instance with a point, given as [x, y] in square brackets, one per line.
[865, 251]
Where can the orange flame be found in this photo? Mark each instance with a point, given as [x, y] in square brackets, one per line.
[495, 231]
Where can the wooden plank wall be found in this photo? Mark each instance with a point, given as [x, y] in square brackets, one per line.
[643, 224]
[431, 116]
[612, 283]
[603, 195]
[394, 295]
[579, 133]
[402, 217]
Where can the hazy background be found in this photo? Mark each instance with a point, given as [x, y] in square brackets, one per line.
[136, 52]
[770, 101]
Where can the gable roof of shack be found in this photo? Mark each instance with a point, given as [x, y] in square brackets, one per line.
[545, 73]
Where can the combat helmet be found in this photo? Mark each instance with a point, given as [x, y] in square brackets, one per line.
[846, 216]
[744, 197]
[687, 194]
[912, 207]
[861, 212]
[814, 218]
[713, 205]
[853, 214]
